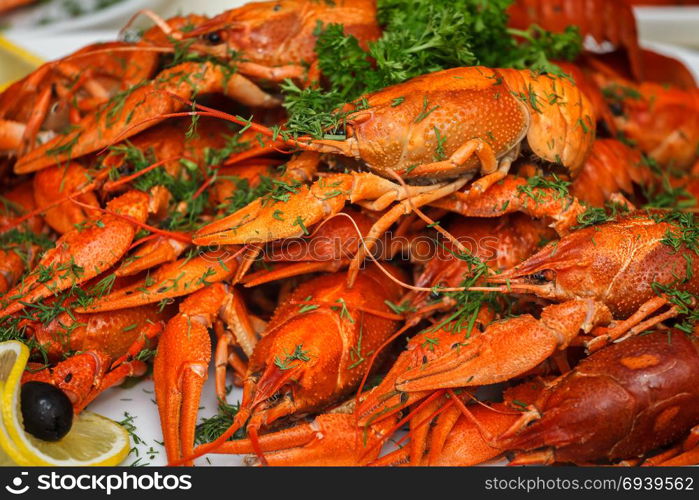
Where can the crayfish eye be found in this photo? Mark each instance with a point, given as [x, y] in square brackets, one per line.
[543, 276]
[616, 108]
[277, 7]
[214, 38]
[274, 397]
[68, 378]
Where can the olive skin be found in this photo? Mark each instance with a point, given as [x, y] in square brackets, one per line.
[46, 410]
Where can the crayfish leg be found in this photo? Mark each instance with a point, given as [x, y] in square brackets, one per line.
[462, 443]
[636, 323]
[683, 454]
[286, 271]
[541, 457]
[478, 147]
[84, 252]
[144, 106]
[406, 206]
[511, 195]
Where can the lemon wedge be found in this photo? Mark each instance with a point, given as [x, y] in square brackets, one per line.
[13, 358]
[92, 440]
[15, 62]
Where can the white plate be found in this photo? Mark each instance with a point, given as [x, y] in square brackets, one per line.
[50, 46]
[675, 25]
[53, 17]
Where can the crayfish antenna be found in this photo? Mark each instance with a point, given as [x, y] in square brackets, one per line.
[157, 20]
[543, 457]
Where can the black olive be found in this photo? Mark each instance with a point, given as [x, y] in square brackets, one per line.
[214, 38]
[46, 411]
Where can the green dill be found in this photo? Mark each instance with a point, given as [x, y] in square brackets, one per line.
[439, 153]
[212, 428]
[297, 355]
[304, 308]
[397, 101]
[430, 343]
[683, 231]
[685, 302]
[401, 308]
[426, 110]
[312, 112]
[299, 222]
[538, 187]
[356, 355]
[344, 310]
[619, 93]
[467, 304]
[593, 216]
[667, 195]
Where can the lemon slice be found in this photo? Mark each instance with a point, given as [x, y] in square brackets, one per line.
[13, 358]
[92, 440]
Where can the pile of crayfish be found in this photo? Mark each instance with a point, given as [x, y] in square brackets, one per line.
[473, 263]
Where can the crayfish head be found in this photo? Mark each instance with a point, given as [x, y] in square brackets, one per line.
[256, 29]
[77, 376]
[294, 368]
[559, 272]
[284, 31]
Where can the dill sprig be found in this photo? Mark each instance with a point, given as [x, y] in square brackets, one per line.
[537, 187]
[313, 112]
[594, 216]
[467, 304]
[212, 428]
[684, 231]
[685, 302]
[185, 211]
[297, 355]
